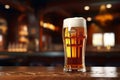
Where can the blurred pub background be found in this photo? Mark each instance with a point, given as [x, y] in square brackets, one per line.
[31, 31]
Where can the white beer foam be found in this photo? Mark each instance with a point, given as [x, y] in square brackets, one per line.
[74, 22]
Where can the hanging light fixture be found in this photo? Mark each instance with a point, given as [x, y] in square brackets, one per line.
[103, 16]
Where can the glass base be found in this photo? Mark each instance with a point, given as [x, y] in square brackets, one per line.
[74, 69]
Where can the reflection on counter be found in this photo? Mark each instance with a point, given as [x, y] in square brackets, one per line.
[104, 72]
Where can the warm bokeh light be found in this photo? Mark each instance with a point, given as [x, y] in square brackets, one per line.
[47, 25]
[103, 18]
[109, 39]
[106, 39]
[7, 6]
[23, 33]
[1, 38]
[102, 7]
[108, 5]
[86, 8]
[97, 39]
[17, 47]
[3, 25]
[23, 30]
[23, 39]
[89, 19]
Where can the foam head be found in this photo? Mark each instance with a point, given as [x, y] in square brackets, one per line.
[74, 22]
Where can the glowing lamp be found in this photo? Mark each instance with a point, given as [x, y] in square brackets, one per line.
[109, 40]
[97, 39]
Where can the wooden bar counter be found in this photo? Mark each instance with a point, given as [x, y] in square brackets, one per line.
[56, 73]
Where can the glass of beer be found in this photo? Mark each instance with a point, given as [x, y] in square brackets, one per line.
[74, 35]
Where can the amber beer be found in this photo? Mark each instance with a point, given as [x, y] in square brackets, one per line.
[74, 39]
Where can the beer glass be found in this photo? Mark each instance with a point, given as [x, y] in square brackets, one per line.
[74, 35]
